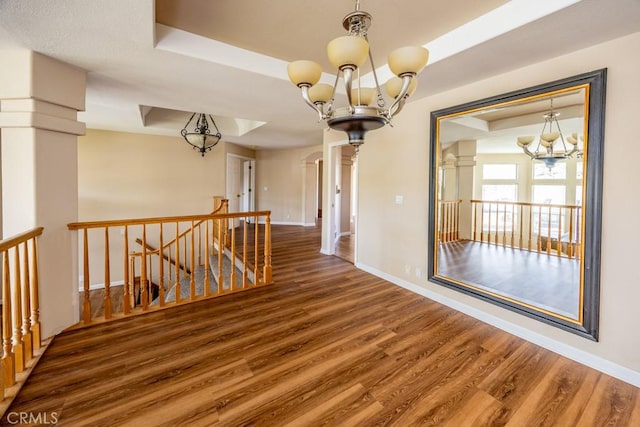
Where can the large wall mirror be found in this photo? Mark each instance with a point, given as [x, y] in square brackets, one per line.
[515, 203]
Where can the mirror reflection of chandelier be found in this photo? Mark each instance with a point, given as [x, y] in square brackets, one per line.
[552, 145]
[347, 54]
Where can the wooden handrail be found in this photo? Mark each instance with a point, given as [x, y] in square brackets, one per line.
[153, 251]
[11, 242]
[160, 220]
[546, 205]
[223, 206]
[20, 333]
[197, 240]
[525, 230]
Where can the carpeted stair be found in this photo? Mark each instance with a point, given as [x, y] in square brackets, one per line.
[199, 276]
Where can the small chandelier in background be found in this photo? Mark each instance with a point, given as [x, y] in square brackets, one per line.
[551, 145]
[347, 54]
[201, 138]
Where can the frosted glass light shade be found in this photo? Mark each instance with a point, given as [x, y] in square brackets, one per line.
[304, 72]
[547, 139]
[525, 141]
[409, 59]
[573, 139]
[394, 86]
[348, 50]
[367, 95]
[321, 92]
[196, 139]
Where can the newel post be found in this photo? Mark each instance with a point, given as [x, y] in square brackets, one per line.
[267, 250]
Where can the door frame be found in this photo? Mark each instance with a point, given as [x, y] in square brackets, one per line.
[251, 197]
[329, 221]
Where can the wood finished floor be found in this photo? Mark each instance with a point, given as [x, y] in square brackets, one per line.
[345, 247]
[555, 286]
[327, 344]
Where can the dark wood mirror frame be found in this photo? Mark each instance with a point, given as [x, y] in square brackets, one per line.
[595, 81]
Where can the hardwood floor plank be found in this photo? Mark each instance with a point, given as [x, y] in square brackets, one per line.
[612, 403]
[326, 344]
[320, 410]
[472, 412]
[236, 409]
[121, 405]
[515, 378]
[550, 399]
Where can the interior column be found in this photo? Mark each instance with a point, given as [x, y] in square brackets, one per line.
[466, 163]
[39, 101]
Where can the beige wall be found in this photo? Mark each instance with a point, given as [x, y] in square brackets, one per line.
[125, 175]
[395, 161]
[280, 182]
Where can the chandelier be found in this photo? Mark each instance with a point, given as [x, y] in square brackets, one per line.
[347, 54]
[201, 138]
[551, 145]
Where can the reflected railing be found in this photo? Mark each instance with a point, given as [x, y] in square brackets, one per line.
[449, 221]
[553, 229]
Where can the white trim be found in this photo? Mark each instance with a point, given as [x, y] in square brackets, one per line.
[335, 242]
[309, 224]
[596, 362]
[100, 285]
[284, 223]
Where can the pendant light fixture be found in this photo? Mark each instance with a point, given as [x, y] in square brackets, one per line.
[365, 108]
[201, 138]
[551, 145]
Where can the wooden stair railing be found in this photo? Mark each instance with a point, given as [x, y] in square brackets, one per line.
[221, 205]
[449, 221]
[152, 250]
[194, 240]
[20, 332]
[536, 227]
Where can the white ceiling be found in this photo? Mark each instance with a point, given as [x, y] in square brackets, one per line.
[148, 78]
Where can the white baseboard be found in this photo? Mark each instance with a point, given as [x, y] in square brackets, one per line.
[101, 285]
[596, 362]
[284, 223]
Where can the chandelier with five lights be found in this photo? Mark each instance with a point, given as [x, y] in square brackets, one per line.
[552, 145]
[365, 107]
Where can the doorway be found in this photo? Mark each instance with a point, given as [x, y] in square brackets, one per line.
[241, 179]
[339, 225]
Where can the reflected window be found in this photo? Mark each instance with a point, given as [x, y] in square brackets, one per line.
[498, 216]
[579, 167]
[500, 193]
[547, 221]
[549, 194]
[499, 171]
[578, 195]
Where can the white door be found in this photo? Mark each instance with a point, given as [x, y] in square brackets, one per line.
[234, 185]
[248, 184]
